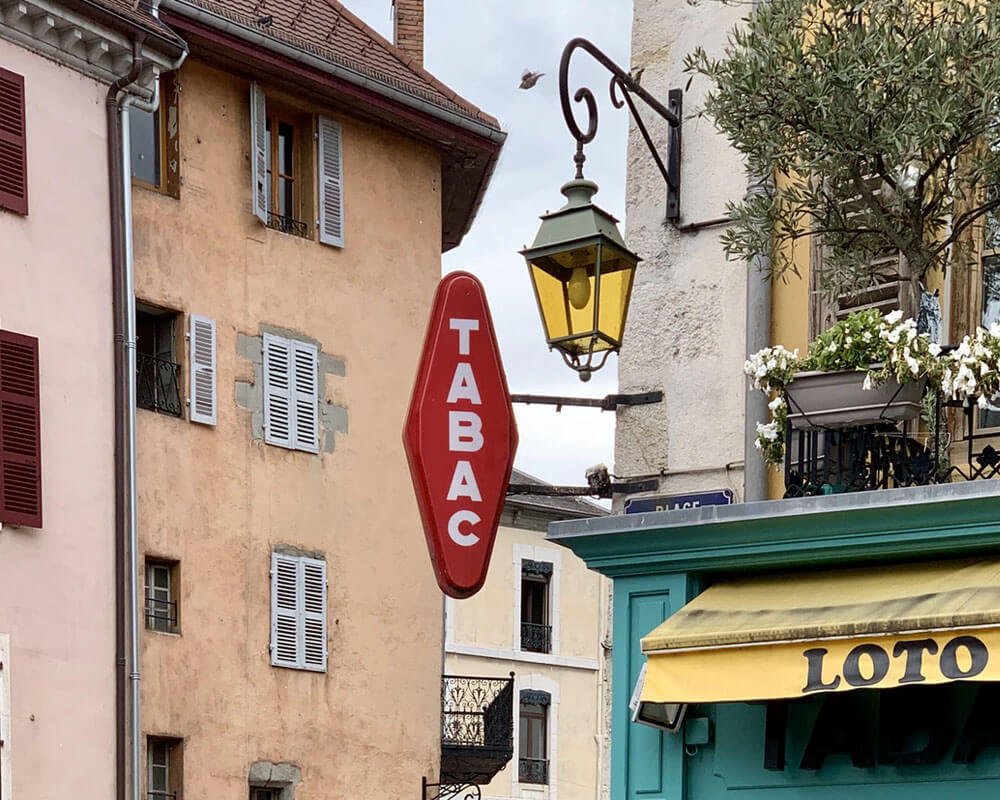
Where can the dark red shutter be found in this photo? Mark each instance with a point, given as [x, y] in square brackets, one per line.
[13, 144]
[20, 433]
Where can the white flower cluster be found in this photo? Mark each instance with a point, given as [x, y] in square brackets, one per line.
[771, 367]
[973, 368]
[901, 335]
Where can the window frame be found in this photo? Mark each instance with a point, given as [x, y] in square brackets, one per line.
[166, 127]
[534, 737]
[173, 769]
[536, 580]
[153, 361]
[171, 568]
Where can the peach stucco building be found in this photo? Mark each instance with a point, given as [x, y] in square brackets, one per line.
[291, 200]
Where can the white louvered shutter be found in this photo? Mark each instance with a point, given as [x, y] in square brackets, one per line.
[331, 185]
[313, 614]
[258, 155]
[306, 415]
[279, 415]
[285, 641]
[201, 335]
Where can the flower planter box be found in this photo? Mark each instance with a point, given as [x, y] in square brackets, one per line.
[837, 400]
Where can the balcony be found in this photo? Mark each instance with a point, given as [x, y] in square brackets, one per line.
[157, 386]
[890, 456]
[477, 727]
[536, 638]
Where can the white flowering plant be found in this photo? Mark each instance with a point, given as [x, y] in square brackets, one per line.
[882, 346]
[971, 372]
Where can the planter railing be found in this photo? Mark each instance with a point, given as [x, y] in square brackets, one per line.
[889, 455]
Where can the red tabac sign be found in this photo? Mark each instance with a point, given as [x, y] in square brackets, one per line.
[460, 435]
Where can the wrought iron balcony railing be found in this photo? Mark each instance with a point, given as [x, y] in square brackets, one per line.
[477, 727]
[157, 384]
[533, 770]
[151, 795]
[890, 455]
[536, 638]
[288, 225]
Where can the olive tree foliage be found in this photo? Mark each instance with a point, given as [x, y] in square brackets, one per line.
[876, 119]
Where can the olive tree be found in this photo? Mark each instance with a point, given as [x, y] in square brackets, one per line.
[877, 121]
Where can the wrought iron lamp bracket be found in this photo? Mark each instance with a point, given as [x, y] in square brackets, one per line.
[622, 82]
[449, 791]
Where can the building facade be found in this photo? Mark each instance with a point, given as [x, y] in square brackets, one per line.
[291, 200]
[543, 616]
[57, 487]
[778, 638]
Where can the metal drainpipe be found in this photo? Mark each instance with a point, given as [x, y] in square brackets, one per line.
[128, 288]
[123, 454]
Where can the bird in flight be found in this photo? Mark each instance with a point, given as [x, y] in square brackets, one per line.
[529, 79]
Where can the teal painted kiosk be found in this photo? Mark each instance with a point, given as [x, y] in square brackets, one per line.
[820, 648]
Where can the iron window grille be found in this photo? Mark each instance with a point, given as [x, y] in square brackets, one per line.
[161, 795]
[536, 638]
[288, 225]
[161, 615]
[533, 770]
[157, 386]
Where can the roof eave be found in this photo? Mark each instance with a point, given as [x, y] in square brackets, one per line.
[470, 147]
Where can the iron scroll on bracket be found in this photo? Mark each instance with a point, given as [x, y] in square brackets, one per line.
[624, 84]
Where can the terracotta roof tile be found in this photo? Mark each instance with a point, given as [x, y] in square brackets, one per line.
[138, 14]
[328, 30]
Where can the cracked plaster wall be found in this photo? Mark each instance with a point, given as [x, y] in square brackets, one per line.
[686, 327]
[250, 395]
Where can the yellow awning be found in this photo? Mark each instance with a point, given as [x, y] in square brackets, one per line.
[785, 636]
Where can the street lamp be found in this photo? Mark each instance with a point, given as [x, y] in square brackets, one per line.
[582, 274]
[580, 267]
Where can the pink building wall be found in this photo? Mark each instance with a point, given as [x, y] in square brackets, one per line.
[57, 582]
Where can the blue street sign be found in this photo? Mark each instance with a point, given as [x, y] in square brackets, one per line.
[672, 502]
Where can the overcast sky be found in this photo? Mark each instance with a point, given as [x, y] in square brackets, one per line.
[480, 48]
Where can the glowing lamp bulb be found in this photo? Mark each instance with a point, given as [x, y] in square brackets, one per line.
[578, 288]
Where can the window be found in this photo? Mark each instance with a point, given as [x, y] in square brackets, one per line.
[291, 414]
[283, 170]
[298, 612]
[533, 736]
[13, 144]
[162, 584]
[163, 774]
[989, 417]
[154, 143]
[536, 628]
[157, 370]
[20, 431]
[264, 794]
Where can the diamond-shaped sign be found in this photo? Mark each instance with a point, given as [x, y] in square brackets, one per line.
[460, 435]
